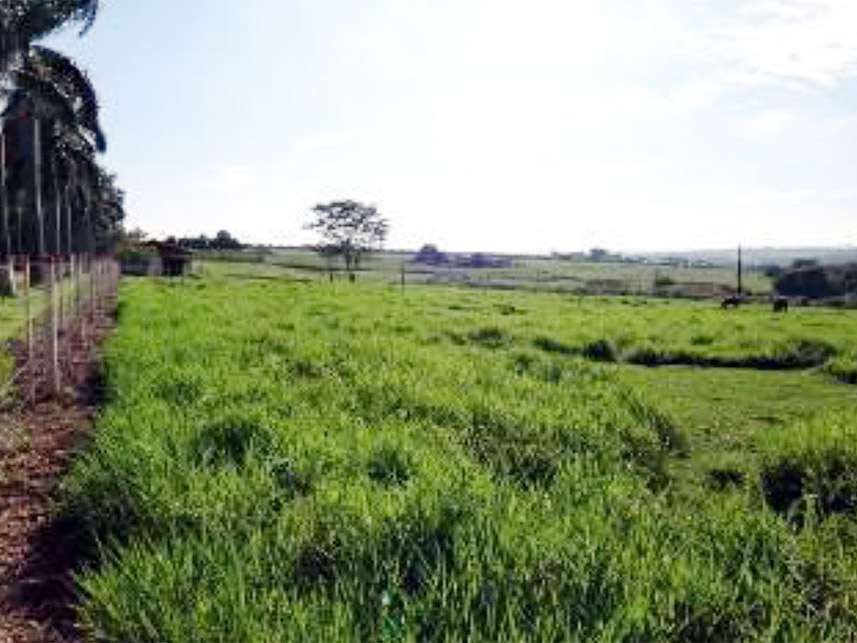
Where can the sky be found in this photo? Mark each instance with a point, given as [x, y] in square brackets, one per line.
[504, 125]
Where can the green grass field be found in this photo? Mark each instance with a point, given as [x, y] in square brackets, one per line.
[525, 273]
[292, 460]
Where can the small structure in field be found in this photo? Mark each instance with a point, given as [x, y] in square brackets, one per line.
[175, 260]
[152, 258]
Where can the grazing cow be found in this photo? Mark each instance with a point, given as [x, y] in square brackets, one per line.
[781, 305]
[731, 302]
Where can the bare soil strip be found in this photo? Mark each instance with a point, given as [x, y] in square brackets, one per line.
[37, 444]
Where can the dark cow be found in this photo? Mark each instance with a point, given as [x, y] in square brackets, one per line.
[781, 305]
[731, 302]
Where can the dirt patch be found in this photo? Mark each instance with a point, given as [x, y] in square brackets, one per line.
[39, 435]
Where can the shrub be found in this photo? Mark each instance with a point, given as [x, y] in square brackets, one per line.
[843, 368]
[390, 465]
[816, 463]
[492, 337]
[553, 346]
[601, 350]
[817, 281]
[802, 353]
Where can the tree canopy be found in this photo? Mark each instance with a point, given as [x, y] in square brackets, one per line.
[54, 196]
[348, 229]
[223, 240]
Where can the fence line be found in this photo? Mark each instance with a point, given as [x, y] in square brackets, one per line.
[61, 311]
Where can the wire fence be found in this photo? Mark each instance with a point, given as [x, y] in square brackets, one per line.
[64, 300]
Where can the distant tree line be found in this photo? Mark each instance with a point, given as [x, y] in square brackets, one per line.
[809, 279]
[223, 240]
[431, 256]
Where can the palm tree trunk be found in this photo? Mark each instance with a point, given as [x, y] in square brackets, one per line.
[68, 218]
[57, 263]
[20, 212]
[37, 182]
[4, 196]
[4, 204]
[57, 209]
[67, 200]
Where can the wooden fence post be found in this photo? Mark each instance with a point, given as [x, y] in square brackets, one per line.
[27, 315]
[29, 322]
[78, 263]
[10, 267]
[60, 285]
[91, 264]
[54, 314]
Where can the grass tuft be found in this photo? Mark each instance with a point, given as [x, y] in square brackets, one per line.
[816, 464]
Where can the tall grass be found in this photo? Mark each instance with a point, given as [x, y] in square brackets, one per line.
[297, 462]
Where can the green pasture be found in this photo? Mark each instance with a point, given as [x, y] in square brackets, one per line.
[285, 459]
[529, 273]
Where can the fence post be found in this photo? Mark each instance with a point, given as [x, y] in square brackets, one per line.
[10, 267]
[29, 322]
[91, 264]
[76, 270]
[54, 311]
[115, 280]
[27, 315]
[61, 294]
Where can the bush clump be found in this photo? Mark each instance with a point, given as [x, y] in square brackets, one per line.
[803, 353]
[492, 337]
[843, 368]
[390, 465]
[553, 346]
[815, 464]
[601, 350]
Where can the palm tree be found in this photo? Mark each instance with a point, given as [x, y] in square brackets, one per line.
[24, 21]
[60, 105]
[21, 23]
[8, 275]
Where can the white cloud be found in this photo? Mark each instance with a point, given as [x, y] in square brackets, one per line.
[695, 94]
[799, 43]
[771, 122]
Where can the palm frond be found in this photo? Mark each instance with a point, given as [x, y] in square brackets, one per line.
[39, 98]
[77, 85]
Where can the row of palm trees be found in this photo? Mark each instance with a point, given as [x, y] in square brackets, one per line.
[54, 196]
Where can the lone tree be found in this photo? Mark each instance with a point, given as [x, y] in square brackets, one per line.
[349, 229]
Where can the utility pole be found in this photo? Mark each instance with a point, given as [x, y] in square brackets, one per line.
[740, 284]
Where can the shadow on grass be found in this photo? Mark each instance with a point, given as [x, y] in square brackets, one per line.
[791, 354]
[43, 589]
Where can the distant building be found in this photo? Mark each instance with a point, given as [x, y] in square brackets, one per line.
[175, 260]
[155, 258]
